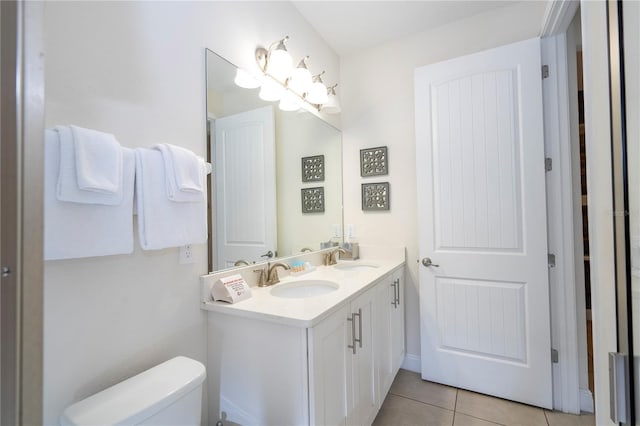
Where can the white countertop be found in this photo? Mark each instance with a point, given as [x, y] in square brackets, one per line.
[309, 311]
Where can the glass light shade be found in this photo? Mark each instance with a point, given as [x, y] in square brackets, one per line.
[289, 102]
[317, 93]
[300, 80]
[270, 91]
[280, 64]
[332, 106]
[245, 80]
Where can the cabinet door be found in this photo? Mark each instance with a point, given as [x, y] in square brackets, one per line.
[385, 299]
[397, 322]
[329, 370]
[362, 407]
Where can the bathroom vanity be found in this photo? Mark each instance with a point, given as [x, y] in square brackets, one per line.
[299, 359]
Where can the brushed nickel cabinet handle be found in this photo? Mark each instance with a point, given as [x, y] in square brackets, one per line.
[352, 346]
[359, 315]
[395, 291]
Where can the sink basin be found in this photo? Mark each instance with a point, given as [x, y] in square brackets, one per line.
[304, 288]
[355, 266]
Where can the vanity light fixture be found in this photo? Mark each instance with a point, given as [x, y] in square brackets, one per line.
[317, 93]
[300, 80]
[293, 87]
[278, 62]
[332, 106]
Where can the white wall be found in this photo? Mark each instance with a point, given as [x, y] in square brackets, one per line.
[378, 110]
[136, 69]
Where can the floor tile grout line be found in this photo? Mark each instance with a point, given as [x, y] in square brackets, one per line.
[422, 402]
[455, 408]
[545, 417]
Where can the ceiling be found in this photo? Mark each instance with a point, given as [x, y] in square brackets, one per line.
[351, 26]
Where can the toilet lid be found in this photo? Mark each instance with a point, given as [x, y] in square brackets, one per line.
[138, 397]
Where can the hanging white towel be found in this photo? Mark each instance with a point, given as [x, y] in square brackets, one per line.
[98, 160]
[73, 230]
[161, 222]
[184, 174]
[68, 188]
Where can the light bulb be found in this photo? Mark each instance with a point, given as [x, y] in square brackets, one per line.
[300, 80]
[245, 80]
[289, 102]
[280, 64]
[317, 93]
[270, 91]
[332, 106]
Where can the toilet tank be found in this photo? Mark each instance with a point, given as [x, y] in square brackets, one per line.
[167, 394]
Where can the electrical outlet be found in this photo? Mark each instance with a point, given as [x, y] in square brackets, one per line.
[187, 255]
[336, 230]
[351, 232]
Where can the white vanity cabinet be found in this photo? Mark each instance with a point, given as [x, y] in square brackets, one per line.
[363, 407]
[341, 360]
[335, 372]
[389, 327]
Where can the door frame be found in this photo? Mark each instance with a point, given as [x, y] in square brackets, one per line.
[21, 212]
[566, 312]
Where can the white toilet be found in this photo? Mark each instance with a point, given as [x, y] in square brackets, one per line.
[167, 394]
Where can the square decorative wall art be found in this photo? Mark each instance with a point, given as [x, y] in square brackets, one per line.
[313, 200]
[375, 196]
[373, 161]
[313, 168]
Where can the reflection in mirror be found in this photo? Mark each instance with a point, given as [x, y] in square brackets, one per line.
[260, 206]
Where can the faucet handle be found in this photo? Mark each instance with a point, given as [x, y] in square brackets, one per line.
[261, 277]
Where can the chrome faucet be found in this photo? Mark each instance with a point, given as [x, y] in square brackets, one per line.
[330, 258]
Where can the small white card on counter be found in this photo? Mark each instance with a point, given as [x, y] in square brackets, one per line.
[231, 289]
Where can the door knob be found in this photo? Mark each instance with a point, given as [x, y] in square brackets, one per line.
[268, 254]
[426, 261]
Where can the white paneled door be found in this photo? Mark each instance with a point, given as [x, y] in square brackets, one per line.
[484, 296]
[244, 194]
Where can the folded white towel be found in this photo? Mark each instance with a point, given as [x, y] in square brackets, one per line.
[68, 188]
[161, 222]
[98, 160]
[184, 172]
[73, 230]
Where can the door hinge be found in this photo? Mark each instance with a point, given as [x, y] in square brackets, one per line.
[548, 164]
[551, 260]
[554, 356]
[545, 71]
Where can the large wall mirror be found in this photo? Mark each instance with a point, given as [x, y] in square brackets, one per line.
[276, 185]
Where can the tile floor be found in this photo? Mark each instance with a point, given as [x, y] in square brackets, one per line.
[414, 402]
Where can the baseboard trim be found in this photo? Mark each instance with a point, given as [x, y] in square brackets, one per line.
[586, 401]
[412, 363]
